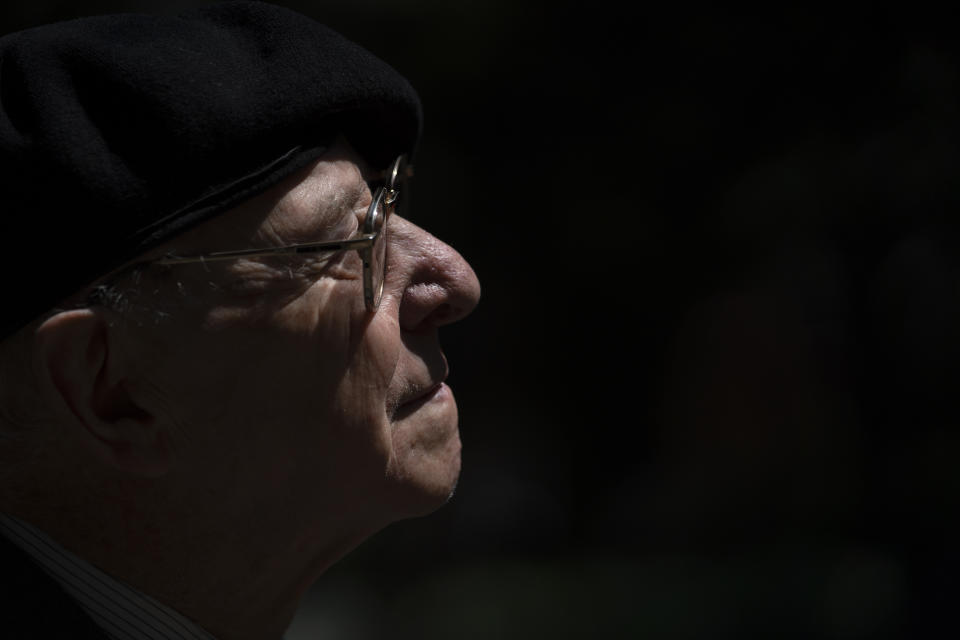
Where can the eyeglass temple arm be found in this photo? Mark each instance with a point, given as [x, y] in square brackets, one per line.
[316, 247]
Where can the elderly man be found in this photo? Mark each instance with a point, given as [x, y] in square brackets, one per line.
[220, 367]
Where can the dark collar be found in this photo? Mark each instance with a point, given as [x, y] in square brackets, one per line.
[33, 606]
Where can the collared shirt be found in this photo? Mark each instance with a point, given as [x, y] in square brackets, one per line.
[120, 610]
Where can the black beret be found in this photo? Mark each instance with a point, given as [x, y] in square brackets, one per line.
[118, 132]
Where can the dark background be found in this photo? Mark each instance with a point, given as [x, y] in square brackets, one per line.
[710, 389]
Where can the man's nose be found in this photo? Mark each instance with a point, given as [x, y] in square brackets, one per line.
[439, 287]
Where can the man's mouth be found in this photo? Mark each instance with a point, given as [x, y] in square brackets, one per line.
[429, 394]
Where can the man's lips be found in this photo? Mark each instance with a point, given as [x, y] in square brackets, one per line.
[428, 394]
[424, 393]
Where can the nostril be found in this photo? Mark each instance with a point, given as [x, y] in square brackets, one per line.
[443, 314]
[428, 304]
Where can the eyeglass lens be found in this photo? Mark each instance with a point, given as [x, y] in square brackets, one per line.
[379, 251]
[386, 202]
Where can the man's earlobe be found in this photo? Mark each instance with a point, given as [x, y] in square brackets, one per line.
[88, 379]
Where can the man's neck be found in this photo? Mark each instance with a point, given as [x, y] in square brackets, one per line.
[238, 580]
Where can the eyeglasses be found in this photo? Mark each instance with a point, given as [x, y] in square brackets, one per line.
[370, 242]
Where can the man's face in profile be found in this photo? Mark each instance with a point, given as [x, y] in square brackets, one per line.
[285, 397]
[216, 431]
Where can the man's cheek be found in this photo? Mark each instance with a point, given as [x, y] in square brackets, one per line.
[376, 357]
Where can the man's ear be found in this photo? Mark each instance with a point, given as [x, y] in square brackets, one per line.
[87, 376]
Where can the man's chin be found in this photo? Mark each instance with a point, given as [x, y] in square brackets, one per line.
[426, 482]
[426, 455]
[427, 494]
